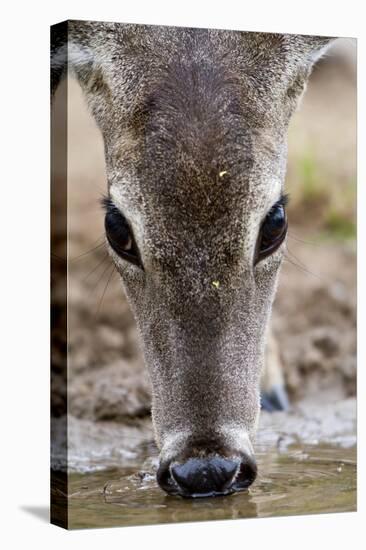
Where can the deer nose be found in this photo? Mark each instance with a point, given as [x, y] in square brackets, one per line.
[207, 477]
[199, 477]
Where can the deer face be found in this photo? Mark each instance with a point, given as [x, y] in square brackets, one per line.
[194, 125]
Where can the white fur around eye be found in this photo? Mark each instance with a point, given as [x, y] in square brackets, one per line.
[272, 262]
[124, 199]
[123, 266]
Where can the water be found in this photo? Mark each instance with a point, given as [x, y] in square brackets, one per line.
[306, 461]
[302, 479]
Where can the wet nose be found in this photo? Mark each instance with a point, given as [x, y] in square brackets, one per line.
[205, 477]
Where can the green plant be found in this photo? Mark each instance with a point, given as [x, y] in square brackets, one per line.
[340, 224]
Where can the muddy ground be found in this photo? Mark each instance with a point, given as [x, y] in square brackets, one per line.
[314, 317]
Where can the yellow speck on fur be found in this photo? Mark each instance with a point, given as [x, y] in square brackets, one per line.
[221, 174]
[216, 284]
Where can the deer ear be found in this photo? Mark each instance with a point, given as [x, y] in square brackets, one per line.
[306, 51]
[316, 46]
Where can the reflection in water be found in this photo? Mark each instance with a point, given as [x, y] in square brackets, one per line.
[303, 480]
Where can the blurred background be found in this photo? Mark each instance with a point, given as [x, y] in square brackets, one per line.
[314, 317]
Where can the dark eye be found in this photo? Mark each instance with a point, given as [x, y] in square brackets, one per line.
[119, 234]
[273, 230]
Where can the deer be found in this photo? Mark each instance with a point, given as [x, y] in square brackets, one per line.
[194, 123]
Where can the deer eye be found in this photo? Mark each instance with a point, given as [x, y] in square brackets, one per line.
[273, 230]
[119, 233]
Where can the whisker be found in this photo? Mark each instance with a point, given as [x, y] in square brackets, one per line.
[303, 269]
[56, 257]
[99, 279]
[105, 289]
[295, 238]
[87, 252]
[295, 257]
[95, 268]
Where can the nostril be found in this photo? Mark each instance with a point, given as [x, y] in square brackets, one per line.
[164, 479]
[205, 477]
[246, 475]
